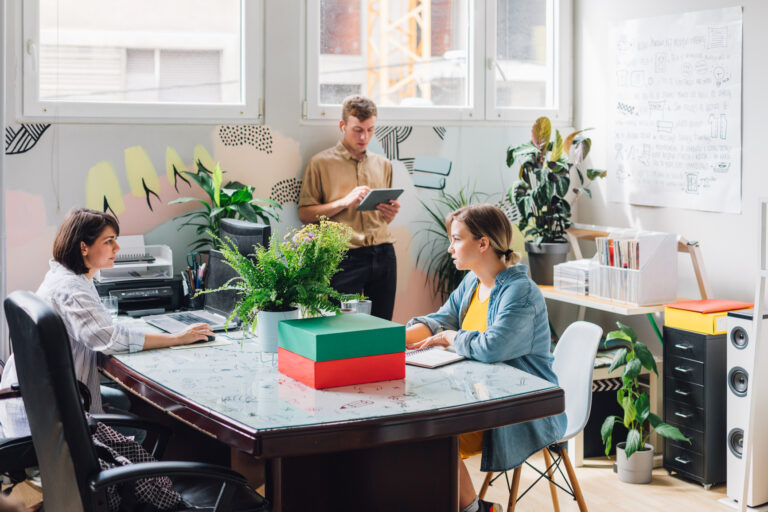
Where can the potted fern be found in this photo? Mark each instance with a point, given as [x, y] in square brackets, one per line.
[291, 273]
[634, 457]
[544, 181]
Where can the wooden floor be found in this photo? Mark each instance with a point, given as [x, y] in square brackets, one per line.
[604, 492]
[601, 487]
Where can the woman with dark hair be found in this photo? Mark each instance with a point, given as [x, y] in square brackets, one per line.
[497, 314]
[86, 243]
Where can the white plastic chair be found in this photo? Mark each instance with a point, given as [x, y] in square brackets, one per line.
[574, 360]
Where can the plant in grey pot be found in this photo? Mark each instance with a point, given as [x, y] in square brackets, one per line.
[544, 181]
[634, 458]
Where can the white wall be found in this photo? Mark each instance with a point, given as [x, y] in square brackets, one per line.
[728, 241]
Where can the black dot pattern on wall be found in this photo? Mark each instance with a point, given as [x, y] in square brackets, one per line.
[286, 191]
[257, 136]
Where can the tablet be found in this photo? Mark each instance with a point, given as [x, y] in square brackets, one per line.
[379, 195]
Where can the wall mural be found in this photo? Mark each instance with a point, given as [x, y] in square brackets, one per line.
[22, 138]
[426, 172]
[257, 136]
[286, 191]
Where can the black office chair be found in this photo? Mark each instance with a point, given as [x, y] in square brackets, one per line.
[69, 468]
[16, 453]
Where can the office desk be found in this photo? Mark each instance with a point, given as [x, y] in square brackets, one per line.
[382, 446]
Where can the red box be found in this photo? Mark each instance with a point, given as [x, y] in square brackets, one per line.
[341, 372]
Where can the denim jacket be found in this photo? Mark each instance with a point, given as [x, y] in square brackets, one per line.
[518, 335]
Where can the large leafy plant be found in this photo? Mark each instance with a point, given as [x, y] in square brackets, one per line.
[544, 180]
[227, 201]
[638, 418]
[293, 272]
[441, 273]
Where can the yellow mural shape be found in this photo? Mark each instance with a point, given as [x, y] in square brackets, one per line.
[102, 185]
[205, 158]
[172, 159]
[139, 167]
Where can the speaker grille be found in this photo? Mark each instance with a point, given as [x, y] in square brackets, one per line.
[736, 441]
[739, 337]
[738, 381]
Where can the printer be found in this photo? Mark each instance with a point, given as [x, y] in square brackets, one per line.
[144, 296]
[142, 279]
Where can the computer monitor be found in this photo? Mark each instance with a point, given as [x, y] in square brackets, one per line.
[245, 234]
[219, 272]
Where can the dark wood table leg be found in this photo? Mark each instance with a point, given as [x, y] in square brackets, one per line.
[418, 476]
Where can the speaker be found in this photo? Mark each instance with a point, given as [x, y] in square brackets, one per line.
[740, 360]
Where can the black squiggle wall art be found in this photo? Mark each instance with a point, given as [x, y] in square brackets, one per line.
[260, 137]
[20, 139]
[426, 172]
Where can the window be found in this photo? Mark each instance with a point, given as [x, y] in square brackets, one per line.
[142, 59]
[439, 59]
[414, 58]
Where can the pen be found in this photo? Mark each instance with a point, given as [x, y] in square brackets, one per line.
[201, 275]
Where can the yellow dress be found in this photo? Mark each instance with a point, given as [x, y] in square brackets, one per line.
[476, 319]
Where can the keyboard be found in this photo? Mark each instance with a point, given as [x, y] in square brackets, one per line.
[189, 318]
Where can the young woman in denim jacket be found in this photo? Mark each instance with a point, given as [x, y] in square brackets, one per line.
[515, 330]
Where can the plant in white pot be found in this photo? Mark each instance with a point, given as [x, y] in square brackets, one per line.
[295, 272]
[634, 458]
[544, 181]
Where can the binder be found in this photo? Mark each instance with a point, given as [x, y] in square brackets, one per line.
[702, 316]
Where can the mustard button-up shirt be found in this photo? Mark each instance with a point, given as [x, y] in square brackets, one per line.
[332, 174]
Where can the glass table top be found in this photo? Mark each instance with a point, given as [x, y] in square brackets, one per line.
[240, 381]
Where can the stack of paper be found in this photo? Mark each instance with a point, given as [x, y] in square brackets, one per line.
[572, 276]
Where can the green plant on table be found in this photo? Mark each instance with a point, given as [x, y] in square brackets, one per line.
[544, 180]
[232, 200]
[441, 273]
[638, 418]
[296, 271]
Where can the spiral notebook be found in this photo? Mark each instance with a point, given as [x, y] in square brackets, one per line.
[431, 357]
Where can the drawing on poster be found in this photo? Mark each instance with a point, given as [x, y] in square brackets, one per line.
[676, 111]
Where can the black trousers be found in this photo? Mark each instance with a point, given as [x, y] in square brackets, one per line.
[371, 271]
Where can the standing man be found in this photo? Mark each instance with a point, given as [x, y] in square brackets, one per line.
[335, 182]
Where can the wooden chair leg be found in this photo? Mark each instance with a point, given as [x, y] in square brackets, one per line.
[574, 482]
[551, 474]
[486, 483]
[513, 491]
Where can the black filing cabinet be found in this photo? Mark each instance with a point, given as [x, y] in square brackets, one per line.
[694, 402]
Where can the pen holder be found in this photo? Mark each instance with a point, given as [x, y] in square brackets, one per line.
[192, 302]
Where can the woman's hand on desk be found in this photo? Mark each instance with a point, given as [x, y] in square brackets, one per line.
[193, 333]
[441, 339]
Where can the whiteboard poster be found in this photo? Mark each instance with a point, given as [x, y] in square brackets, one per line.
[676, 111]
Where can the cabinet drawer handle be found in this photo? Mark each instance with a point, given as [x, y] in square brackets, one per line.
[683, 369]
[681, 392]
[683, 347]
[682, 461]
[683, 415]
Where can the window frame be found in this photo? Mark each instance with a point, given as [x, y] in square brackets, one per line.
[560, 14]
[249, 109]
[481, 78]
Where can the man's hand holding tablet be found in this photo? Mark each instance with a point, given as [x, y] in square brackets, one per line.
[380, 197]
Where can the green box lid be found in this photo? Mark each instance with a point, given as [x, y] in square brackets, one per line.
[328, 338]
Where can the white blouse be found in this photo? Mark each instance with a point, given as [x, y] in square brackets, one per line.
[90, 329]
